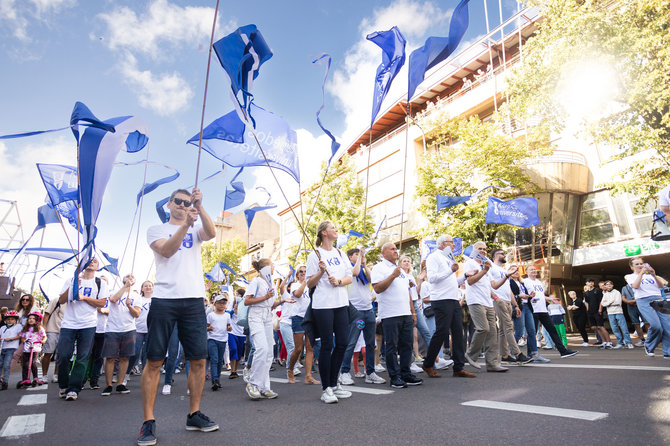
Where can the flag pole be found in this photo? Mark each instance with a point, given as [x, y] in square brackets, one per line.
[204, 99]
[404, 175]
[139, 218]
[367, 181]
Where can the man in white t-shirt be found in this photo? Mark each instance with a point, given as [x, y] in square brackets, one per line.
[78, 325]
[479, 297]
[664, 200]
[178, 296]
[396, 312]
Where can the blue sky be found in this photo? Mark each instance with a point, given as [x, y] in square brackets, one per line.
[148, 58]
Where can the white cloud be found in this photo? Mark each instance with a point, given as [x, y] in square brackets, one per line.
[17, 15]
[165, 94]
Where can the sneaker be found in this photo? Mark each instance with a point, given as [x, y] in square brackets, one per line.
[54, 379]
[415, 368]
[508, 359]
[121, 388]
[62, 393]
[521, 342]
[472, 362]
[273, 368]
[328, 396]
[379, 368]
[546, 347]
[523, 359]
[147, 434]
[629, 346]
[412, 380]
[608, 346]
[245, 374]
[94, 384]
[71, 396]
[443, 363]
[617, 347]
[639, 344]
[398, 383]
[568, 353]
[481, 356]
[269, 394]
[666, 356]
[598, 343]
[418, 358]
[4, 386]
[296, 371]
[373, 378]
[602, 346]
[253, 392]
[107, 391]
[359, 375]
[233, 375]
[167, 389]
[340, 393]
[125, 380]
[345, 378]
[177, 371]
[199, 422]
[647, 352]
[216, 386]
[541, 360]
[585, 344]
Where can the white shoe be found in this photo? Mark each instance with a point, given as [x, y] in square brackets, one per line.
[340, 393]
[521, 342]
[297, 364]
[253, 392]
[617, 347]
[443, 363]
[345, 378]
[177, 371]
[373, 378]
[585, 344]
[415, 368]
[546, 347]
[328, 396]
[296, 371]
[379, 368]
[639, 344]
[359, 375]
[54, 379]
[125, 381]
[245, 374]
[629, 346]
[167, 389]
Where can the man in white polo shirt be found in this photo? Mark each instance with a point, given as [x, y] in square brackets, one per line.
[479, 297]
[397, 314]
[441, 270]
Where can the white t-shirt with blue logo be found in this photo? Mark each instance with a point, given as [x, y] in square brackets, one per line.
[648, 286]
[478, 293]
[395, 300]
[338, 266]
[539, 302]
[179, 276]
[120, 320]
[79, 314]
[495, 274]
[141, 322]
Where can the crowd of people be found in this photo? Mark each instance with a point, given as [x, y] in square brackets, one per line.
[335, 311]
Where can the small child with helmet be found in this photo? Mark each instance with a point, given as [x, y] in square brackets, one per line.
[10, 334]
[34, 336]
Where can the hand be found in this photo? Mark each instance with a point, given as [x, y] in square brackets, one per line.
[129, 303]
[650, 270]
[532, 294]
[487, 265]
[422, 276]
[270, 293]
[322, 266]
[333, 281]
[454, 267]
[129, 282]
[361, 255]
[414, 319]
[518, 312]
[396, 272]
[290, 300]
[196, 198]
[191, 216]
[512, 270]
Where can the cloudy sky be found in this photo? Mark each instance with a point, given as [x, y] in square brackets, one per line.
[148, 58]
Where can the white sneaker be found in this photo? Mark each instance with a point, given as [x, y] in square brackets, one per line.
[71, 396]
[379, 368]
[443, 363]
[296, 371]
[617, 347]
[585, 344]
[415, 368]
[340, 393]
[167, 389]
[62, 393]
[297, 364]
[54, 379]
[328, 396]
[245, 374]
[345, 378]
[253, 392]
[125, 381]
[521, 342]
[359, 375]
[373, 378]
[629, 346]
[639, 344]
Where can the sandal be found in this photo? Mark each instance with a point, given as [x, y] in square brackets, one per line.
[309, 379]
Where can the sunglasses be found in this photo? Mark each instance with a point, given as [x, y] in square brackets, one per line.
[25, 300]
[301, 272]
[180, 201]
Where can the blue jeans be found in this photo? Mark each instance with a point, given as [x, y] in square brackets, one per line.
[287, 337]
[71, 376]
[368, 317]
[173, 356]
[529, 325]
[140, 351]
[421, 325]
[217, 349]
[6, 362]
[619, 328]
[659, 325]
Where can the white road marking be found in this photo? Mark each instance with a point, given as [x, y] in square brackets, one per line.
[538, 410]
[31, 400]
[20, 425]
[602, 366]
[42, 387]
[366, 390]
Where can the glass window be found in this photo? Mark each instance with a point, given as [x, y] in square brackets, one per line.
[596, 234]
[597, 225]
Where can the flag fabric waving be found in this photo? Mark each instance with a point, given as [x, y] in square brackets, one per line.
[235, 196]
[392, 44]
[60, 182]
[437, 49]
[522, 211]
[250, 213]
[334, 145]
[444, 201]
[343, 239]
[216, 274]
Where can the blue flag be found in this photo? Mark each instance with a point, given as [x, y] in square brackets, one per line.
[163, 215]
[522, 211]
[437, 49]
[392, 44]
[334, 145]
[250, 213]
[228, 140]
[60, 182]
[427, 248]
[46, 215]
[458, 245]
[113, 264]
[150, 187]
[216, 274]
[343, 239]
[444, 201]
[234, 197]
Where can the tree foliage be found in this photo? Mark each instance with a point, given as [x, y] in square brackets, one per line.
[229, 252]
[630, 40]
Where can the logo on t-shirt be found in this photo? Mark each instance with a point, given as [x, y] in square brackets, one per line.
[333, 261]
[87, 291]
[188, 241]
[648, 281]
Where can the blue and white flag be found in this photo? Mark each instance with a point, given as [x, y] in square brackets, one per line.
[46, 215]
[60, 182]
[150, 187]
[231, 141]
[427, 248]
[70, 212]
[444, 201]
[458, 245]
[392, 44]
[343, 239]
[49, 253]
[235, 196]
[334, 145]
[522, 211]
[250, 213]
[216, 274]
[437, 49]
[112, 264]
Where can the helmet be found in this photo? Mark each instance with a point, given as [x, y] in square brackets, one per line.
[12, 313]
[37, 314]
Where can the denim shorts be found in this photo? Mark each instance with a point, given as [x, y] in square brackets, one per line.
[189, 315]
[296, 324]
[119, 345]
[635, 314]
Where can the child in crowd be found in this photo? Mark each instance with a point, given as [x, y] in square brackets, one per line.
[34, 336]
[557, 312]
[612, 302]
[218, 324]
[10, 334]
[236, 341]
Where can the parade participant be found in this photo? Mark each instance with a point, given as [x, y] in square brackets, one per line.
[285, 322]
[405, 263]
[505, 305]
[53, 316]
[143, 301]
[236, 340]
[218, 323]
[300, 294]
[578, 311]
[178, 294]
[537, 293]
[25, 306]
[612, 302]
[396, 311]
[328, 273]
[10, 336]
[479, 297]
[78, 325]
[639, 323]
[592, 297]
[445, 300]
[33, 337]
[361, 298]
[647, 287]
[96, 360]
[120, 334]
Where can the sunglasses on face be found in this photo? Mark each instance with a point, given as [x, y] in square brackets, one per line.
[25, 300]
[180, 201]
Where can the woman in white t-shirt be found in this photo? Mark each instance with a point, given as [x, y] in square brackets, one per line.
[300, 294]
[647, 288]
[144, 302]
[329, 272]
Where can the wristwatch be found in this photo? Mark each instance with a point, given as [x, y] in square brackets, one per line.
[339, 282]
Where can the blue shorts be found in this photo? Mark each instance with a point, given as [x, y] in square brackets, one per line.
[119, 345]
[236, 346]
[189, 315]
[296, 324]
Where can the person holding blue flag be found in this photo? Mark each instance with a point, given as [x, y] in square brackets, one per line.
[179, 291]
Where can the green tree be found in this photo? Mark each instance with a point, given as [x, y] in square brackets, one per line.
[229, 252]
[341, 200]
[481, 155]
[631, 40]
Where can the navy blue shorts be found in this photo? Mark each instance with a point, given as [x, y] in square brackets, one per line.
[189, 315]
[236, 346]
[296, 324]
[119, 345]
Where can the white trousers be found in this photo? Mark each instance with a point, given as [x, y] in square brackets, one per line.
[260, 327]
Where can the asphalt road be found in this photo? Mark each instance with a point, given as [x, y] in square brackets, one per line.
[624, 397]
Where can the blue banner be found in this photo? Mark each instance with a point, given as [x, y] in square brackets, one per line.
[392, 44]
[522, 211]
[334, 145]
[60, 182]
[444, 201]
[250, 213]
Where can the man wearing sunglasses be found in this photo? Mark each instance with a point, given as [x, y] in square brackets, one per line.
[179, 290]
